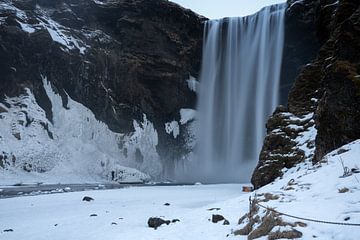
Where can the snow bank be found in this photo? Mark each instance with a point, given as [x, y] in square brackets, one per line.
[187, 115]
[321, 192]
[121, 214]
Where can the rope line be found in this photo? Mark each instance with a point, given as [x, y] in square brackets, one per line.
[306, 219]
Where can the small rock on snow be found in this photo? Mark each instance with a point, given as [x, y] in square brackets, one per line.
[214, 209]
[157, 222]
[88, 199]
[217, 218]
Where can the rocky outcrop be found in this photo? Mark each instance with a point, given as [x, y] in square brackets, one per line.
[326, 91]
[121, 59]
[338, 111]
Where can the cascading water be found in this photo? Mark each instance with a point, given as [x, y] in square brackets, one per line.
[238, 91]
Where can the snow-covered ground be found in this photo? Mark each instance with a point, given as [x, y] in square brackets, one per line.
[317, 192]
[121, 214]
[320, 192]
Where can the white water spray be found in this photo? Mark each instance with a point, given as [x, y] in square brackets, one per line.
[238, 91]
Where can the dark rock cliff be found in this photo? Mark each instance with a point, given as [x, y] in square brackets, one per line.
[121, 59]
[301, 43]
[323, 105]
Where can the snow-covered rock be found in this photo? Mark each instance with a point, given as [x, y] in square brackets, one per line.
[187, 115]
[192, 84]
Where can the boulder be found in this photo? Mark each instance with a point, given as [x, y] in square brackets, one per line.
[155, 222]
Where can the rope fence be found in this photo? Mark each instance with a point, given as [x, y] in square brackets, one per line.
[302, 218]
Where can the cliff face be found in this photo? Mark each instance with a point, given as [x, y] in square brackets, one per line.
[323, 104]
[301, 43]
[120, 59]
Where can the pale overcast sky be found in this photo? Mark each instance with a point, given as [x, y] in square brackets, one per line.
[225, 8]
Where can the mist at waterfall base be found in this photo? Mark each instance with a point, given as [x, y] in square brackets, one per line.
[239, 88]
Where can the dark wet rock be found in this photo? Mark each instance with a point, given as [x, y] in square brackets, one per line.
[217, 218]
[88, 199]
[338, 110]
[175, 220]
[155, 222]
[226, 222]
[281, 147]
[301, 43]
[327, 89]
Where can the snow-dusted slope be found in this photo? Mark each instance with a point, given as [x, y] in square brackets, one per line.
[319, 192]
[74, 148]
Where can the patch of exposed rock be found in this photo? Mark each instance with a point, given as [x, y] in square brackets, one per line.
[155, 222]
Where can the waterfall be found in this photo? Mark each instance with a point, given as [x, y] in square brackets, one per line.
[239, 87]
